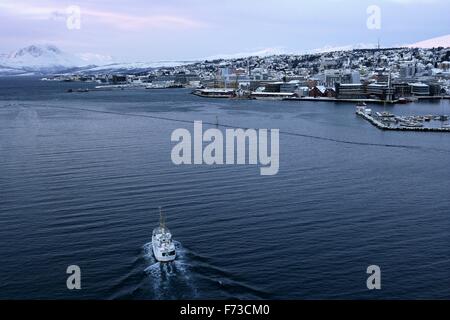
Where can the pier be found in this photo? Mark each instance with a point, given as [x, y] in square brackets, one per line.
[382, 126]
[324, 99]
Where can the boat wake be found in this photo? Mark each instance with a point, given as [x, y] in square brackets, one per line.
[170, 280]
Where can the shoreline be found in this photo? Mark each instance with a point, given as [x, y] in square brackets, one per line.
[318, 99]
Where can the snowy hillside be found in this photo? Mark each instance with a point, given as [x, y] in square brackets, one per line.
[39, 58]
[443, 41]
[48, 59]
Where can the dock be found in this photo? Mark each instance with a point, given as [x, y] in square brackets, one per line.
[433, 98]
[382, 126]
[398, 101]
[324, 99]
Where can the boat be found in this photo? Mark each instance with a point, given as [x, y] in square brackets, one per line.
[214, 93]
[389, 119]
[385, 114]
[361, 104]
[162, 244]
[419, 118]
[411, 124]
[404, 100]
[175, 86]
[361, 110]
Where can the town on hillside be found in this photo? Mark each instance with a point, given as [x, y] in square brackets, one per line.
[377, 75]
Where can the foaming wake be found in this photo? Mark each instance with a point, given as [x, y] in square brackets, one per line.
[170, 280]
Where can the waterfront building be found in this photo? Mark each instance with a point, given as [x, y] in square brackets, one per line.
[401, 89]
[330, 93]
[290, 86]
[273, 86]
[380, 91]
[119, 79]
[183, 78]
[420, 89]
[350, 91]
[318, 91]
[302, 92]
[435, 89]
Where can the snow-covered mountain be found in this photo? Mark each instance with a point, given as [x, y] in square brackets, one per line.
[281, 51]
[443, 41]
[39, 58]
[48, 59]
[95, 59]
[260, 53]
[132, 66]
[358, 46]
[45, 59]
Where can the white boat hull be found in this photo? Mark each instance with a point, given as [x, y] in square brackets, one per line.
[162, 244]
[159, 255]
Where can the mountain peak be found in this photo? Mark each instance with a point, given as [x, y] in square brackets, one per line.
[35, 51]
[41, 58]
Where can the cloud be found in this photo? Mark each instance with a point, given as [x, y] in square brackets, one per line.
[110, 18]
[413, 1]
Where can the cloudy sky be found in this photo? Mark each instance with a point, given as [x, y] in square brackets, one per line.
[149, 30]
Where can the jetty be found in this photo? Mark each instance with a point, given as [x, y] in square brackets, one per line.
[367, 115]
[326, 99]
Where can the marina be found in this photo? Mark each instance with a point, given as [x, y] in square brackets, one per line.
[388, 121]
[325, 99]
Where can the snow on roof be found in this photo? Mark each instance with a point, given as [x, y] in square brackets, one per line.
[321, 89]
[418, 84]
[350, 84]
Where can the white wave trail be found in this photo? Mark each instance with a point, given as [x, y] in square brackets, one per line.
[169, 278]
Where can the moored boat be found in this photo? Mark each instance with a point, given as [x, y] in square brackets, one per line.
[215, 93]
[411, 124]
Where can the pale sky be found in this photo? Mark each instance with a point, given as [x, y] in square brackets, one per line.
[150, 30]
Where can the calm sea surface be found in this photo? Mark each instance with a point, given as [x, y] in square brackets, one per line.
[82, 175]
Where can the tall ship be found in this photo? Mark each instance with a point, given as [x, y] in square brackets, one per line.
[162, 244]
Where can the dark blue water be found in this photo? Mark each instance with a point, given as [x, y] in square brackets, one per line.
[82, 175]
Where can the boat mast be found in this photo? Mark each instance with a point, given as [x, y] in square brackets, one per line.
[162, 220]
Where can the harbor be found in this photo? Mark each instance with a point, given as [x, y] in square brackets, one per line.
[389, 121]
[107, 152]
